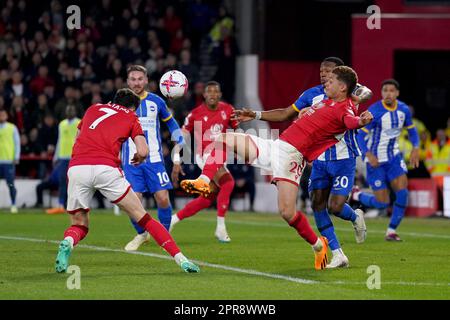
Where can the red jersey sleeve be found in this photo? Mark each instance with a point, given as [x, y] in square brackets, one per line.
[136, 129]
[347, 115]
[189, 122]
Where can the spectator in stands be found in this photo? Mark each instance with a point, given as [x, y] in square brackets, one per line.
[187, 67]
[48, 135]
[67, 131]
[244, 178]
[42, 80]
[16, 88]
[18, 116]
[9, 155]
[70, 97]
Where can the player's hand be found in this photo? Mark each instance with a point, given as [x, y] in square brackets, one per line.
[414, 158]
[137, 159]
[176, 170]
[373, 160]
[365, 118]
[243, 115]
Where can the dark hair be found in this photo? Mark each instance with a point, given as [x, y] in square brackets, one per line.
[391, 81]
[136, 67]
[212, 83]
[348, 76]
[337, 61]
[127, 98]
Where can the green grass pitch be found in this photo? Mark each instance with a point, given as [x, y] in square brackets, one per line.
[265, 260]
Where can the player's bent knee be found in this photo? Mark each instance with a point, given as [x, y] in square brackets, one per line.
[401, 197]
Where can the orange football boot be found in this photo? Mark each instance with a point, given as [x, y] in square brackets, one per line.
[321, 257]
[197, 186]
[58, 210]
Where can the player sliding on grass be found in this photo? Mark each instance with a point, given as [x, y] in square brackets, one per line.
[95, 166]
[318, 128]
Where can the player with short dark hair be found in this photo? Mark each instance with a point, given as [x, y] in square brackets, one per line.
[317, 129]
[382, 155]
[95, 165]
[207, 121]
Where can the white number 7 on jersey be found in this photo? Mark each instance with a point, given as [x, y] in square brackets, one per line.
[109, 113]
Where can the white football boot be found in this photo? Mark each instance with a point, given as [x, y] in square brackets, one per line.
[134, 244]
[360, 226]
[339, 260]
[222, 235]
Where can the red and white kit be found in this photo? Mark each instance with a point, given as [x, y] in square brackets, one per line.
[95, 162]
[322, 126]
[207, 125]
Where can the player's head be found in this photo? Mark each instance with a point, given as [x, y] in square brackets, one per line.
[327, 66]
[127, 98]
[137, 78]
[71, 111]
[341, 82]
[212, 93]
[390, 89]
[3, 116]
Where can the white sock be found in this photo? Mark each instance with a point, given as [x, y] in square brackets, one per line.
[174, 219]
[390, 231]
[221, 222]
[179, 258]
[318, 245]
[70, 239]
[205, 178]
[337, 252]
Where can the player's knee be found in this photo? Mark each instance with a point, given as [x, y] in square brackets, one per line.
[401, 197]
[162, 201]
[335, 206]
[316, 203]
[287, 211]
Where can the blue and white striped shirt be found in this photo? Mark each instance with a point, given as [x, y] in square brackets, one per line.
[152, 109]
[347, 147]
[384, 130]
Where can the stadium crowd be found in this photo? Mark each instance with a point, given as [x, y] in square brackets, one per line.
[45, 67]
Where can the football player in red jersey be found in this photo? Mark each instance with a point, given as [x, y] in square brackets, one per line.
[95, 165]
[206, 122]
[317, 128]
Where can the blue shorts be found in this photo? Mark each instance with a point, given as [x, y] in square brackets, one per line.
[148, 177]
[7, 172]
[379, 177]
[336, 175]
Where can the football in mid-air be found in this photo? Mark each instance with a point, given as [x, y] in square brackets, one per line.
[173, 84]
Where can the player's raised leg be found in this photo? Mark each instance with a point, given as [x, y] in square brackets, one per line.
[287, 196]
[239, 143]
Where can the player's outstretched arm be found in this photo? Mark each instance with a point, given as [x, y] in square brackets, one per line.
[276, 115]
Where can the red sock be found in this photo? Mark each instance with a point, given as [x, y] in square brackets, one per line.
[301, 224]
[160, 234]
[194, 206]
[77, 233]
[226, 184]
[216, 160]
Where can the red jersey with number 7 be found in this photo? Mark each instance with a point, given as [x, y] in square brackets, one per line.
[103, 129]
[322, 126]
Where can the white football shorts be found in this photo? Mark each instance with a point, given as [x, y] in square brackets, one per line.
[84, 180]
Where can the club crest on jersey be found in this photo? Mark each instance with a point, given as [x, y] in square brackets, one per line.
[150, 105]
[216, 128]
